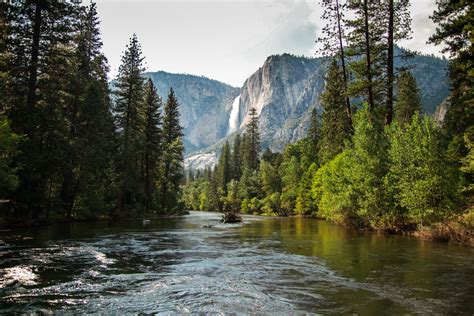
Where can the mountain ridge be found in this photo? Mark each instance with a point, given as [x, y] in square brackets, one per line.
[284, 90]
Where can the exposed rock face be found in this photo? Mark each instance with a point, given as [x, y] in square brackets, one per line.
[441, 111]
[205, 106]
[200, 161]
[282, 91]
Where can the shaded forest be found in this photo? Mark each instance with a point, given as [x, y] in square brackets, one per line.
[71, 150]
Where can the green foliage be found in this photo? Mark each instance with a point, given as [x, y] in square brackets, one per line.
[236, 159]
[370, 164]
[353, 181]
[270, 178]
[314, 135]
[467, 164]
[425, 186]
[251, 142]
[332, 189]
[80, 157]
[130, 116]
[152, 146]
[233, 201]
[336, 128]
[8, 149]
[454, 29]
[224, 167]
[305, 203]
[408, 98]
[271, 204]
[292, 168]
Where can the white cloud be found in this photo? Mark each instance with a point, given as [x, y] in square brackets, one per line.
[226, 40]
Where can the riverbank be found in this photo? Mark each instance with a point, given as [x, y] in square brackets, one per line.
[459, 230]
[8, 221]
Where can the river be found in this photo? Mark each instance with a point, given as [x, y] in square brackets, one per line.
[277, 266]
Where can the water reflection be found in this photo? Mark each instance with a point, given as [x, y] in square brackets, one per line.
[265, 266]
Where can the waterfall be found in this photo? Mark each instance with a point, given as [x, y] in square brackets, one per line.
[234, 116]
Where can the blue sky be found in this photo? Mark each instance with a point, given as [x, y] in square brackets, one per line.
[225, 40]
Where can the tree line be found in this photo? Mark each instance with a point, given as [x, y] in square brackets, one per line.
[372, 158]
[71, 149]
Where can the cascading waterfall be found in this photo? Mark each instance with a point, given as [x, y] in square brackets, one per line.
[234, 116]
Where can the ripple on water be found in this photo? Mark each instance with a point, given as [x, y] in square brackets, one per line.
[23, 275]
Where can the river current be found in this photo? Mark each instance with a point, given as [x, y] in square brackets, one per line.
[194, 264]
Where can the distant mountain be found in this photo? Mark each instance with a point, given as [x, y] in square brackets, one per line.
[283, 90]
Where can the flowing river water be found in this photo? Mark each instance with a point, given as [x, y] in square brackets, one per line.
[277, 266]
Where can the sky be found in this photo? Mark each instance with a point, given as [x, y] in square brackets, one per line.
[226, 40]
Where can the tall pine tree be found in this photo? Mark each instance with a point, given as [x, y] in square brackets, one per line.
[129, 112]
[91, 146]
[152, 155]
[334, 40]
[173, 149]
[35, 62]
[236, 158]
[251, 142]
[398, 28]
[366, 41]
[314, 135]
[335, 127]
[224, 168]
[455, 27]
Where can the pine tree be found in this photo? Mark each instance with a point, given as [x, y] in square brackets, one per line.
[398, 28]
[334, 38]
[8, 148]
[91, 146]
[173, 149]
[366, 40]
[129, 114]
[455, 29]
[95, 189]
[38, 40]
[252, 142]
[152, 153]
[408, 98]
[224, 168]
[314, 134]
[236, 159]
[335, 128]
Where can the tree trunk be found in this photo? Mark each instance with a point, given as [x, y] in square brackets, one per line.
[390, 76]
[368, 57]
[33, 185]
[343, 64]
[147, 179]
[33, 77]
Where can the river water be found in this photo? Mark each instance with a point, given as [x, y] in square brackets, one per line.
[277, 266]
